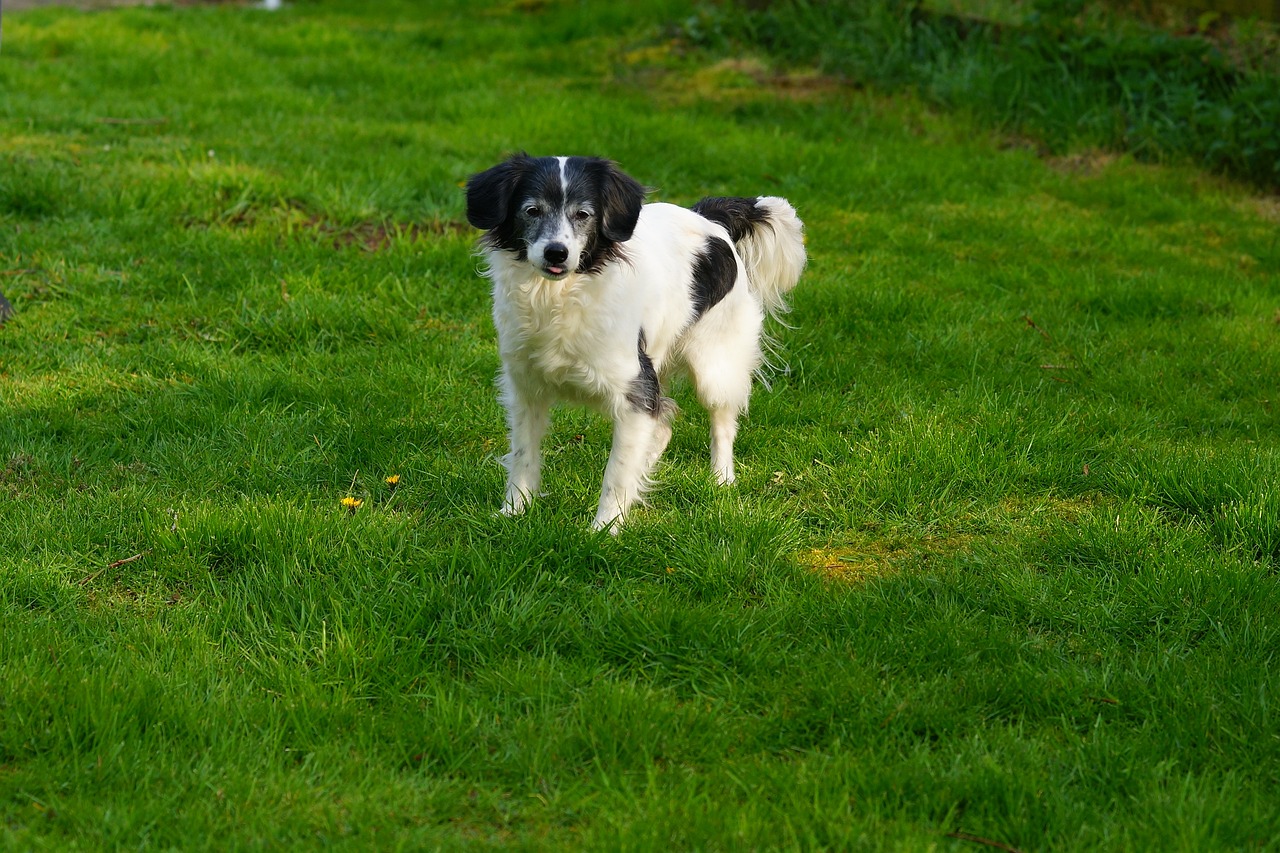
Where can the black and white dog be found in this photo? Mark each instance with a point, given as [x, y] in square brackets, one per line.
[599, 297]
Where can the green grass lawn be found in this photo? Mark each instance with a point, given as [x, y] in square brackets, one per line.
[1001, 561]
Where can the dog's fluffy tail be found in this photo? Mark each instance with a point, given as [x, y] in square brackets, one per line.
[769, 238]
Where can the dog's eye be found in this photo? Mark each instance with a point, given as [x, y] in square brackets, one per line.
[582, 215]
[532, 211]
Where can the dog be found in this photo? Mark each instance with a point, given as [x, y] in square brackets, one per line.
[599, 298]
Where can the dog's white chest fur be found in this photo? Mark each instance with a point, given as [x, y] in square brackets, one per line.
[555, 333]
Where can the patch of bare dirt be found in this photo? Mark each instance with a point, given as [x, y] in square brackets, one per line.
[376, 236]
[1085, 163]
[870, 560]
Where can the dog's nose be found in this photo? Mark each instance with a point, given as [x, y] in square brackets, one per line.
[556, 253]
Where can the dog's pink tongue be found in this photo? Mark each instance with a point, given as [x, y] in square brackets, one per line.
[555, 270]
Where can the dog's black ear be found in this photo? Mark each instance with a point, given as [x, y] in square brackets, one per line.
[489, 193]
[621, 198]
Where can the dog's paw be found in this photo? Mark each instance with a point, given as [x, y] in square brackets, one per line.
[612, 526]
[516, 501]
[510, 509]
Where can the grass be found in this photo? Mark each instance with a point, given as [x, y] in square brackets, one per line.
[1161, 84]
[1001, 562]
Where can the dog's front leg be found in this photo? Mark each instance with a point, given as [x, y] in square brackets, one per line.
[627, 474]
[527, 419]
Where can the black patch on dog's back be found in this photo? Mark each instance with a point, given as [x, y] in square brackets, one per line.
[739, 216]
[645, 393]
[714, 272]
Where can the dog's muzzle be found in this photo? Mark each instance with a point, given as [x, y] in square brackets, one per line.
[554, 258]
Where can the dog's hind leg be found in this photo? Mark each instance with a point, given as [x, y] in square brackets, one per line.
[667, 411]
[724, 389]
[724, 429]
[722, 351]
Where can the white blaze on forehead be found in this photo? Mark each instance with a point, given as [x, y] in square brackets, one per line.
[566, 228]
[564, 179]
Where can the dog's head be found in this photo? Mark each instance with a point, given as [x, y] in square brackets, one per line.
[561, 214]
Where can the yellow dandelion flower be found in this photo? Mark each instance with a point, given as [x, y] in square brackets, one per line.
[393, 480]
[351, 504]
